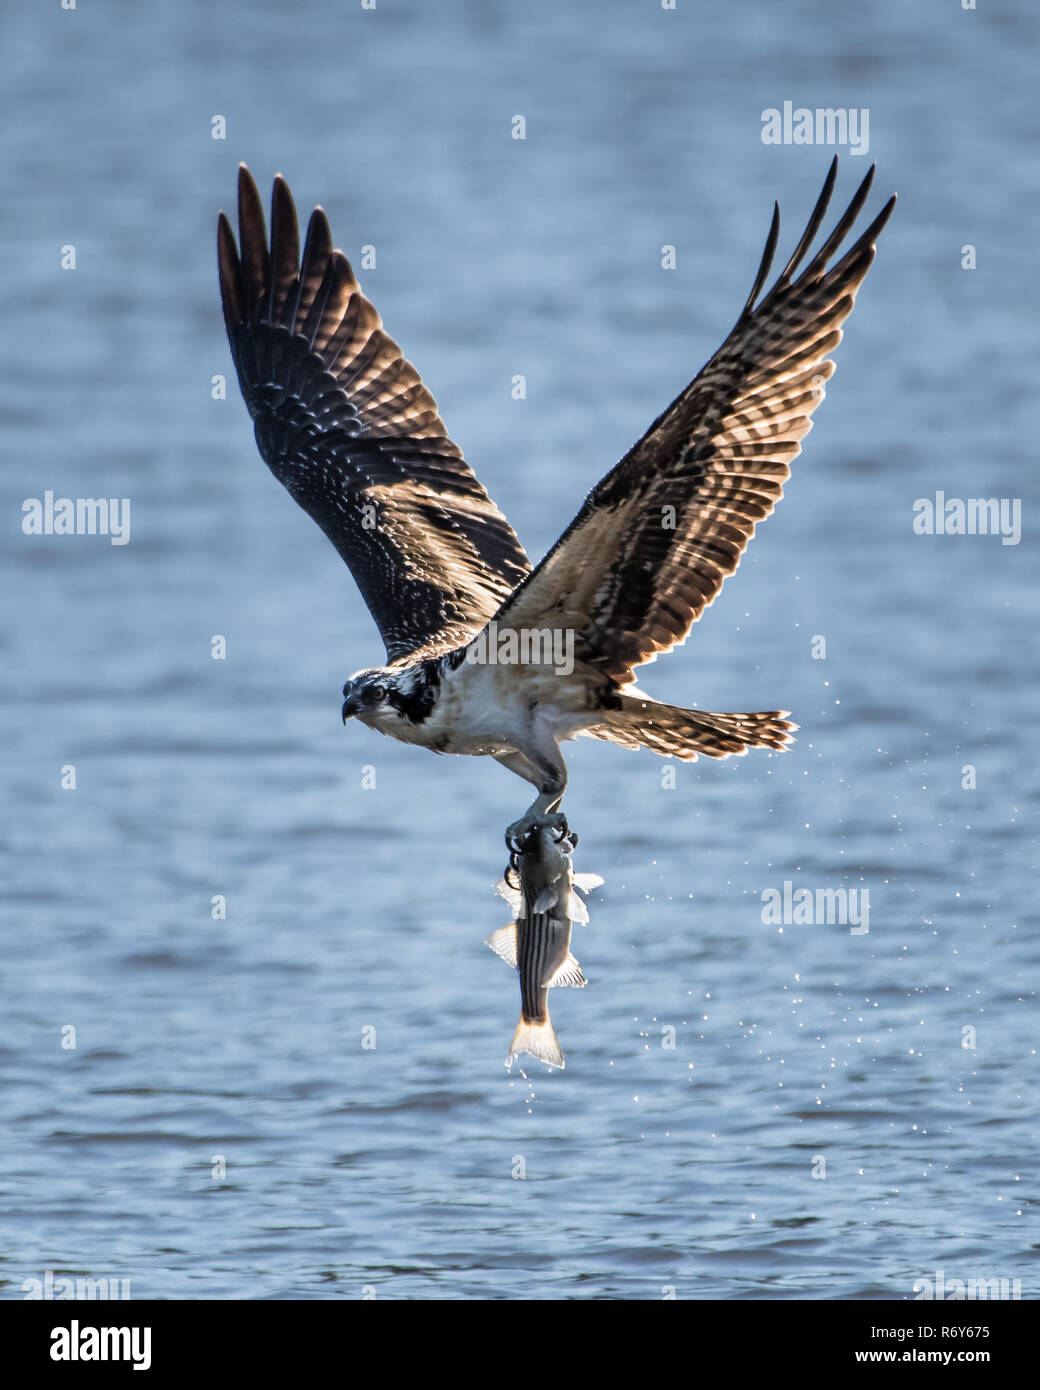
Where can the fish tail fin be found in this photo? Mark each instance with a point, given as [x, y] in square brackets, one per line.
[539, 1039]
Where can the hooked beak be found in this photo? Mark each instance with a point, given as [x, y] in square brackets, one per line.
[350, 708]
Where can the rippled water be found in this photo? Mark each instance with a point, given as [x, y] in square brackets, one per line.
[647, 1167]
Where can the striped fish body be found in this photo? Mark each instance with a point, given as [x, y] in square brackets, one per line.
[543, 960]
[537, 943]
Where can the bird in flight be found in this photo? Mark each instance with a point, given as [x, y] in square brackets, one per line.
[486, 655]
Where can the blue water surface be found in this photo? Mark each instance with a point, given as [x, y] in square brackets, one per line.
[223, 1127]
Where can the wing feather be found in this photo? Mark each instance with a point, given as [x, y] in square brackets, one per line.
[346, 424]
[656, 539]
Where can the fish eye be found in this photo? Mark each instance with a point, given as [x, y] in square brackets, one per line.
[378, 692]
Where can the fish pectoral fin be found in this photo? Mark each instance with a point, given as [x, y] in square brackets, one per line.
[539, 1040]
[546, 899]
[512, 896]
[586, 882]
[569, 973]
[503, 943]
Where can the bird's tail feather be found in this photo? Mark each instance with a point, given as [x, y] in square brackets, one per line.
[539, 1039]
[688, 733]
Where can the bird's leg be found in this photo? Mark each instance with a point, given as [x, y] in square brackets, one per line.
[549, 775]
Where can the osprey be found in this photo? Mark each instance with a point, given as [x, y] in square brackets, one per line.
[347, 425]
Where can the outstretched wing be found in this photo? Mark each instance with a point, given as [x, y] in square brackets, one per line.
[349, 428]
[651, 547]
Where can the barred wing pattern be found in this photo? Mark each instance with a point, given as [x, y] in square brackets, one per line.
[346, 424]
[655, 540]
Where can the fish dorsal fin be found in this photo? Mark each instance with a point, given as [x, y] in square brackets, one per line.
[503, 943]
[512, 896]
[586, 882]
[569, 973]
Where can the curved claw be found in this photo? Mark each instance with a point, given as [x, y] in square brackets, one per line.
[520, 832]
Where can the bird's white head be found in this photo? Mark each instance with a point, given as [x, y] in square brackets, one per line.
[367, 696]
[393, 699]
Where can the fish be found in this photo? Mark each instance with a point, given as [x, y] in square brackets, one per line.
[537, 943]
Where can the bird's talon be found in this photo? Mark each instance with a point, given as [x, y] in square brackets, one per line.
[520, 834]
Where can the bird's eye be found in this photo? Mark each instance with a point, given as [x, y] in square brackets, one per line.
[378, 693]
